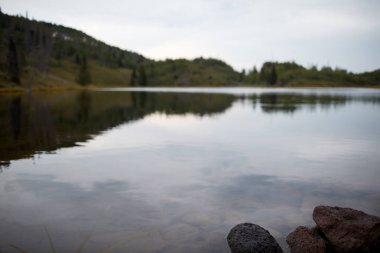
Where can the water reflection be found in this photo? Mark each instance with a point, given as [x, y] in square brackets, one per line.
[45, 122]
[113, 213]
[177, 170]
[37, 123]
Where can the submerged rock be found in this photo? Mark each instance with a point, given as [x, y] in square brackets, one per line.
[348, 230]
[305, 240]
[251, 238]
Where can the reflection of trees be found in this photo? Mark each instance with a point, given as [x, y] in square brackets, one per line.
[46, 122]
[182, 103]
[15, 109]
[84, 102]
[273, 102]
[291, 102]
[26, 127]
[139, 99]
[42, 122]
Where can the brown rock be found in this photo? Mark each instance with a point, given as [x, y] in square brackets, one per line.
[305, 240]
[348, 230]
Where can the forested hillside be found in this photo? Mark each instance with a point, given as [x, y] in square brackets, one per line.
[181, 72]
[35, 53]
[290, 73]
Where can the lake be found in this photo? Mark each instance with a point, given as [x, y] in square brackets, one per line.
[173, 170]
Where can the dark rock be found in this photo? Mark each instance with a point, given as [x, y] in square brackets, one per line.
[250, 238]
[348, 230]
[305, 240]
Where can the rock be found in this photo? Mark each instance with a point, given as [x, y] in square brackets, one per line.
[305, 240]
[348, 230]
[250, 238]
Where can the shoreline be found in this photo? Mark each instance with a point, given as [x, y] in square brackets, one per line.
[18, 89]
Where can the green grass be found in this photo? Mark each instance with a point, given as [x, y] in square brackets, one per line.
[62, 76]
[102, 75]
[65, 72]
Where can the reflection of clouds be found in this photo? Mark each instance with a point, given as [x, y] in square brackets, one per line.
[190, 218]
[327, 149]
[281, 205]
[111, 211]
[88, 115]
[176, 183]
[243, 191]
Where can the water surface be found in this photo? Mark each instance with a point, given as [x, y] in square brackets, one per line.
[172, 170]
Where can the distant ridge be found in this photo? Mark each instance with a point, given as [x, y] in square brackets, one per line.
[35, 53]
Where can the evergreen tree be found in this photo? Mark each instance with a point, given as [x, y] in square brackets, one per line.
[242, 76]
[273, 75]
[255, 75]
[263, 76]
[254, 70]
[152, 74]
[142, 76]
[252, 76]
[84, 77]
[133, 78]
[77, 59]
[13, 67]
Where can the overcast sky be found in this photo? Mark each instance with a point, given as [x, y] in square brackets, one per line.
[343, 33]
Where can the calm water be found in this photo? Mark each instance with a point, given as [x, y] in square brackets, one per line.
[166, 170]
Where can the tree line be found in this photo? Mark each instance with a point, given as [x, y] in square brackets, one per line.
[275, 73]
[30, 49]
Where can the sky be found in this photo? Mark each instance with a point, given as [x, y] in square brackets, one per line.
[244, 33]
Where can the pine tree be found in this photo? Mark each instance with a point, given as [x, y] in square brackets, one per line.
[255, 75]
[13, 62]
[263, 75]
[142, 76]
[84, 77]
[252, 76]
[77, 59]
[254, 70]
[242, 76]
[273, 75]
[132, 82]
[152, 74]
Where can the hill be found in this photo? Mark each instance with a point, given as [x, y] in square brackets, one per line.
[35, 53]
[197, 72]
[40, 53]
[293, 74]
